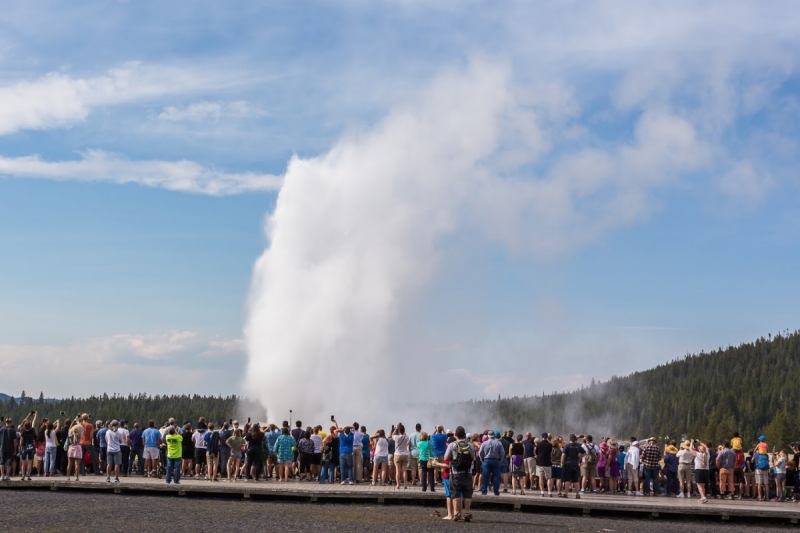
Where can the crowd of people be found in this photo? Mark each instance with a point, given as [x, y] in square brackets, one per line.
[458, 462]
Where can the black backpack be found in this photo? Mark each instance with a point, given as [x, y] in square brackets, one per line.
[213, 443]
[462, 462]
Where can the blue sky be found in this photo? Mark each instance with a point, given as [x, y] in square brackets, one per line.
[143, 146]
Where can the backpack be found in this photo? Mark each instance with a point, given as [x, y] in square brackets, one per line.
[213, 443]
[591, 454]
[462, 460]
[327, 453]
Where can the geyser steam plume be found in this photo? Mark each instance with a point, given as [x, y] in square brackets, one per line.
[353, 238]
[356, 232]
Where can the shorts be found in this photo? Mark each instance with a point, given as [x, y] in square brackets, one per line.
[199, 456]
[446, 487]
[762, 477]
[6, 458]
[391, 460]
[187, 454]
[750, 476]
[570, 473]
[75, 451]
[413, 464]
[286, 462]
[212, 458]
[601, 471]
[588, 470]
[401, 461]
[151, 453]
[530, 466]
[114, 459]
[685, 473]
[381, 459]
[272, 459]
[702, 476]
[738, 475]
[27, 455]
[544, 472]
[103, 454]
[557, 472]
[504, 466]
[236, 454]
[461, 485]
[316, 458]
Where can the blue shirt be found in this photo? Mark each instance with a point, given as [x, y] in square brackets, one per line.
[345, 443]
[272, 437]
[439, 441]
[136, 439]
[365, 444]
[151, 436]
[101, 436]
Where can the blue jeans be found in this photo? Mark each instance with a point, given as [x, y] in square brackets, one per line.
[50, 460]
[346, 466]
[651, 473]
[491, 467]
[138, 453]
[328, 471]
[174, 469]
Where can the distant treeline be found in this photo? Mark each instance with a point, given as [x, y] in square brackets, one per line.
[752, 388]
[135, 408]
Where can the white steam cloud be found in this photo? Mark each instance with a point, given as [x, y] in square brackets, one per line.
[358, 232]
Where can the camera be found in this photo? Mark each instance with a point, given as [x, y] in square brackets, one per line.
[62, 413]
[331, 418]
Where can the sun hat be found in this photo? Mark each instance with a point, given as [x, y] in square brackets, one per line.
[672, 449]
[686, 445]
[651, 439]
[612, 443]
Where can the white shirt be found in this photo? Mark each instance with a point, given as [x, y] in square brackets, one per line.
[199, 439]
[382, 447]
[401, 445]
[112, 439]
[701, 461]
[50, 442]
[123, 436]
[632, 457]
[317, 440]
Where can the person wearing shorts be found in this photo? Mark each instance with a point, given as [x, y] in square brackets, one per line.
[8, 444]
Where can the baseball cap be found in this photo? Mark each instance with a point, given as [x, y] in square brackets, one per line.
[762, 438]
[544, 435]
[496, 434]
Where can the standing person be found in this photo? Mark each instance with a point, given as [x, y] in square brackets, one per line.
[174, 454]
[612, 466]
[571, 458]
[213, 445]
[425, 457]
[305, 457]
[779, 462]
[316, 458]
[113, 451]
[589, 465]
[50, 448]
[726, 463]
[297, 434]
[439, 442]
[284, 450]
[555, 460]
[75, 450]
[413, 445]
[365, 453]
[516, 456]
[200, 448]
[124, 445]
[235, 442]
[632, 461]
[187, 450]
[381, 460]
[738, 472]
[402, 455]
[152, 442]
[529, 460]
[8, 449]
[702, 460]
[224, 450]
[602, 474]
[505, 464]
[544, 464]
[461, 455]
[328, 462]
[651, 457]
[761, 461]
[27, 449]
[358, 457]
[345, 453]
[62, 436]
[87, 444]
[272, 438]
[491, 454]
[685, 459]
[101, 430]
[671, 468]
[137, 450]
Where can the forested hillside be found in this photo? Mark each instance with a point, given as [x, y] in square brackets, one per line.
[139, 408]
[753, 388]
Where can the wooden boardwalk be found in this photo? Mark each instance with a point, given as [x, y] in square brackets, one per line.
[592, 505]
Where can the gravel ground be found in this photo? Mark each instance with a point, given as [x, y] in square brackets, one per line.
[44, 511]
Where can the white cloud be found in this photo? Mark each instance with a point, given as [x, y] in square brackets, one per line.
[169, 362]
[210, 111]
[58, 100]
[99, 166]
[745, 183]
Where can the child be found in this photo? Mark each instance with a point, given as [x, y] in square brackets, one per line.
[445, 468]
[516, 452]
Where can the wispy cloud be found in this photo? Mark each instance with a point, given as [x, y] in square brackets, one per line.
[100, 166]
[210, 111]
[58, 100]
